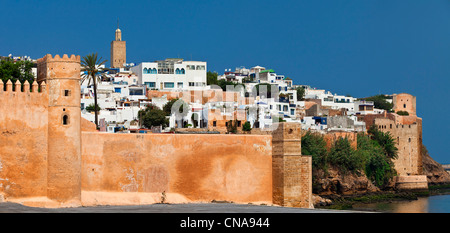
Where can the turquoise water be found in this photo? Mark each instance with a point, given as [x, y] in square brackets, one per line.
[431, 204]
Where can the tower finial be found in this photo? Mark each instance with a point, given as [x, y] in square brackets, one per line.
[117, 22]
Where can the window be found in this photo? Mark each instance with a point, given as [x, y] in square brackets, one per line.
[177, 71]
[146, 71]
[285, 108]
[150, 84]
[214, 123]
[136, 92]
[65, 119]
[66, 92]
[117, 90]
[292, 111]
[169, 85]
[404, 105]
[182, 71]
[180, 85]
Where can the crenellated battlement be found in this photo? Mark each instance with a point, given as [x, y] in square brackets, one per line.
[64, 67]
[26, 87]
[57, 58]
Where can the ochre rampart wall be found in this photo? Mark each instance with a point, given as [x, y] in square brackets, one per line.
[23, 140]
[50, 157]
[190, 167]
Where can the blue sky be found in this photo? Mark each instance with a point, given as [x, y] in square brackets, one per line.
[354, 47]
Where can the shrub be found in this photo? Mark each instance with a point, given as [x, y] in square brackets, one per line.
[380, 170]
[232, 127]
[380, 102]
[314, 144]
[378, 167]
[246, 127]
[91, 108]
[343, 156]
[403, 113]
[153, 116]
[385, 140]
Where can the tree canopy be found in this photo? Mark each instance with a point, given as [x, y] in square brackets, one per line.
[183, 109]
[380, 102]
[153, 116]
[300, 93]
[16, 70]
[373, 156]
[211, 78]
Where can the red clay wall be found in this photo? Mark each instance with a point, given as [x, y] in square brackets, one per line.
[201, 167]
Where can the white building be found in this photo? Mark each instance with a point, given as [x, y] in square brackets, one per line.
[172, 74]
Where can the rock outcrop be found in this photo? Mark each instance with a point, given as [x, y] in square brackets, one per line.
[436, 174]
[336, 183]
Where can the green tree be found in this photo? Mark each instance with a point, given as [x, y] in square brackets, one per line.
[380, 102]
[385, 140]
[211, 78]
[19, 70]
[343, 156]
[91, 108]
[232, 126]
[247, 126]
[378, 167]
[91, 64]
[153, 116]
[184, 108]
[315, 145]
[300, 93]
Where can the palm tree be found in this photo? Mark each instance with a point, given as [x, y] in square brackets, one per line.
[93, 71]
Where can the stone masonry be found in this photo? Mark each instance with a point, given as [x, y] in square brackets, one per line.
[291, 171]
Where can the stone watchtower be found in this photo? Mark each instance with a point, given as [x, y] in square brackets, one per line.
[118, 51]
[62, 76]
[291, 171]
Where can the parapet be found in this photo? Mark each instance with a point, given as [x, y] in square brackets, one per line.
[50, 67]
[57, 58]
[25, 87]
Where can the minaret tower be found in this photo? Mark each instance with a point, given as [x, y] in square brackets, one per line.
[118, 50]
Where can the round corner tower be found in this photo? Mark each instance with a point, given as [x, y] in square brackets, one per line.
[62, 76]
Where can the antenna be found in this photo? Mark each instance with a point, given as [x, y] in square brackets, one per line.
[117, 22]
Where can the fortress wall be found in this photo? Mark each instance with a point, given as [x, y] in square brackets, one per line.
[404, 102]
[23, 141]
[333, 136]
[234, 168]
[408, 140]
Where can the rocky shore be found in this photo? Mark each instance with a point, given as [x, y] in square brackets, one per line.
[335, 188]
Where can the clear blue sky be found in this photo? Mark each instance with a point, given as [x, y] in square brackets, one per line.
[355, 47]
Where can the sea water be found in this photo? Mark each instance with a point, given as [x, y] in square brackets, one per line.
[430, 204]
